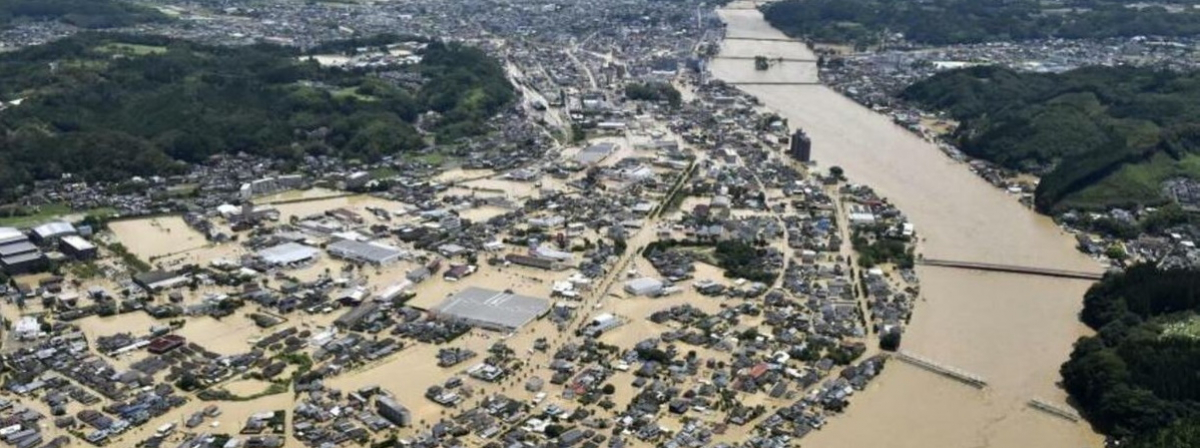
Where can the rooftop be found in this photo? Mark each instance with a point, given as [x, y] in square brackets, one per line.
[492, 309]
[287, 253]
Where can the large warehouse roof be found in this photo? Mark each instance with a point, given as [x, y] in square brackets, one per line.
[287, 253]
[9, 235]
[492, 309]
[368, 252]
[54, 229]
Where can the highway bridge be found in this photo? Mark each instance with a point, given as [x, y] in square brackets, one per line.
[762, 39]
[1012, 269]
[769, 58]
[774, 83]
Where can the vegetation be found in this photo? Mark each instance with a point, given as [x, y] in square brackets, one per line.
[1136, 378]
[654, 91]
[743, 260]
[1102, 136]
[150, 112]
[878, 250]
[939, 22]
[81, 13]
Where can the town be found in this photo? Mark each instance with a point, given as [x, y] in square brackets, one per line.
[637, 255]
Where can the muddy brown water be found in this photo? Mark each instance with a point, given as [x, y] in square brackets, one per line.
[1014, 331]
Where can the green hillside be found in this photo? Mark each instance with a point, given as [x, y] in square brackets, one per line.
[1100, 136]
[82, 13]
[109, 107]
[940, 22]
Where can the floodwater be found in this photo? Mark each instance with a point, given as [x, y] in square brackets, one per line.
[1012, 330]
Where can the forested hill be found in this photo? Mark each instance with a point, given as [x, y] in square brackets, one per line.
[971, 21]
[108, 107]
[81, 13]
[1137, 378]
[1111, 135]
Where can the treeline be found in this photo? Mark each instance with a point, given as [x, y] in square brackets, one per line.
[109, 107]
[940, 22]
[1136, 378]
[81, 13]
[1101, 136]
[654, 91]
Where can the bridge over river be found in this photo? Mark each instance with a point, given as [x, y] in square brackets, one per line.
[1012, 269]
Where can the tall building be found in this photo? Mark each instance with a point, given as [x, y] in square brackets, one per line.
[801, 146]
[394, 412]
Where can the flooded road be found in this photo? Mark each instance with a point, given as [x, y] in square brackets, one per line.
[1012, 330]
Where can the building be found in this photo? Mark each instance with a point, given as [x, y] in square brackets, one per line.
[540, 263]
[493, 310]
[644, 286]
[601, 324]
[159, 280]
[268, 185]
[595, 153]
[287, 254]
[800, 147]
[394, 412]
[356, 315]
[17, 254]
[166, 343]
[52, 231]
[27, 329]
[77, 247]
[374, 253]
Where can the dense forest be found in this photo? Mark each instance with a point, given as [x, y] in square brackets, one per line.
[108, 107]
[1100, 136]
[81, 13]
[939, 22]
[1136, 378]
[654, 91]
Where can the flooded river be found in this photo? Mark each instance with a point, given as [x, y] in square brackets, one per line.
[1012, 330]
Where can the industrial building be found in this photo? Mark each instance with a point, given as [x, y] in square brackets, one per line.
[17, 254]
[160, 280]
[52, 231]
[287, 254]
[595, 153]
[77, 247]
[644, 286]
[493, 310]
[394, 412]
[374, 253]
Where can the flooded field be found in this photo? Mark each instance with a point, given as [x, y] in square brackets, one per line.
[151, 238]
[1012, 330]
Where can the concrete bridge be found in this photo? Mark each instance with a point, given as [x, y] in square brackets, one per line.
[769, 58]
[762, 39]
[1011, 269]
[774, 83]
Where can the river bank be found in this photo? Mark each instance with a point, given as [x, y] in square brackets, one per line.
[1012, 330]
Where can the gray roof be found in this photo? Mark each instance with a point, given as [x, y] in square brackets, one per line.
[18, 259]
[21, 247]
[53, 229]
[491, 308]
[374, 253]
[287, 253]
[595, 153]
[10, 234]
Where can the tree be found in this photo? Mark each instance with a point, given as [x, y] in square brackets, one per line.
[554, 430]
[837, 172]
[608, 389]
[890, 341]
